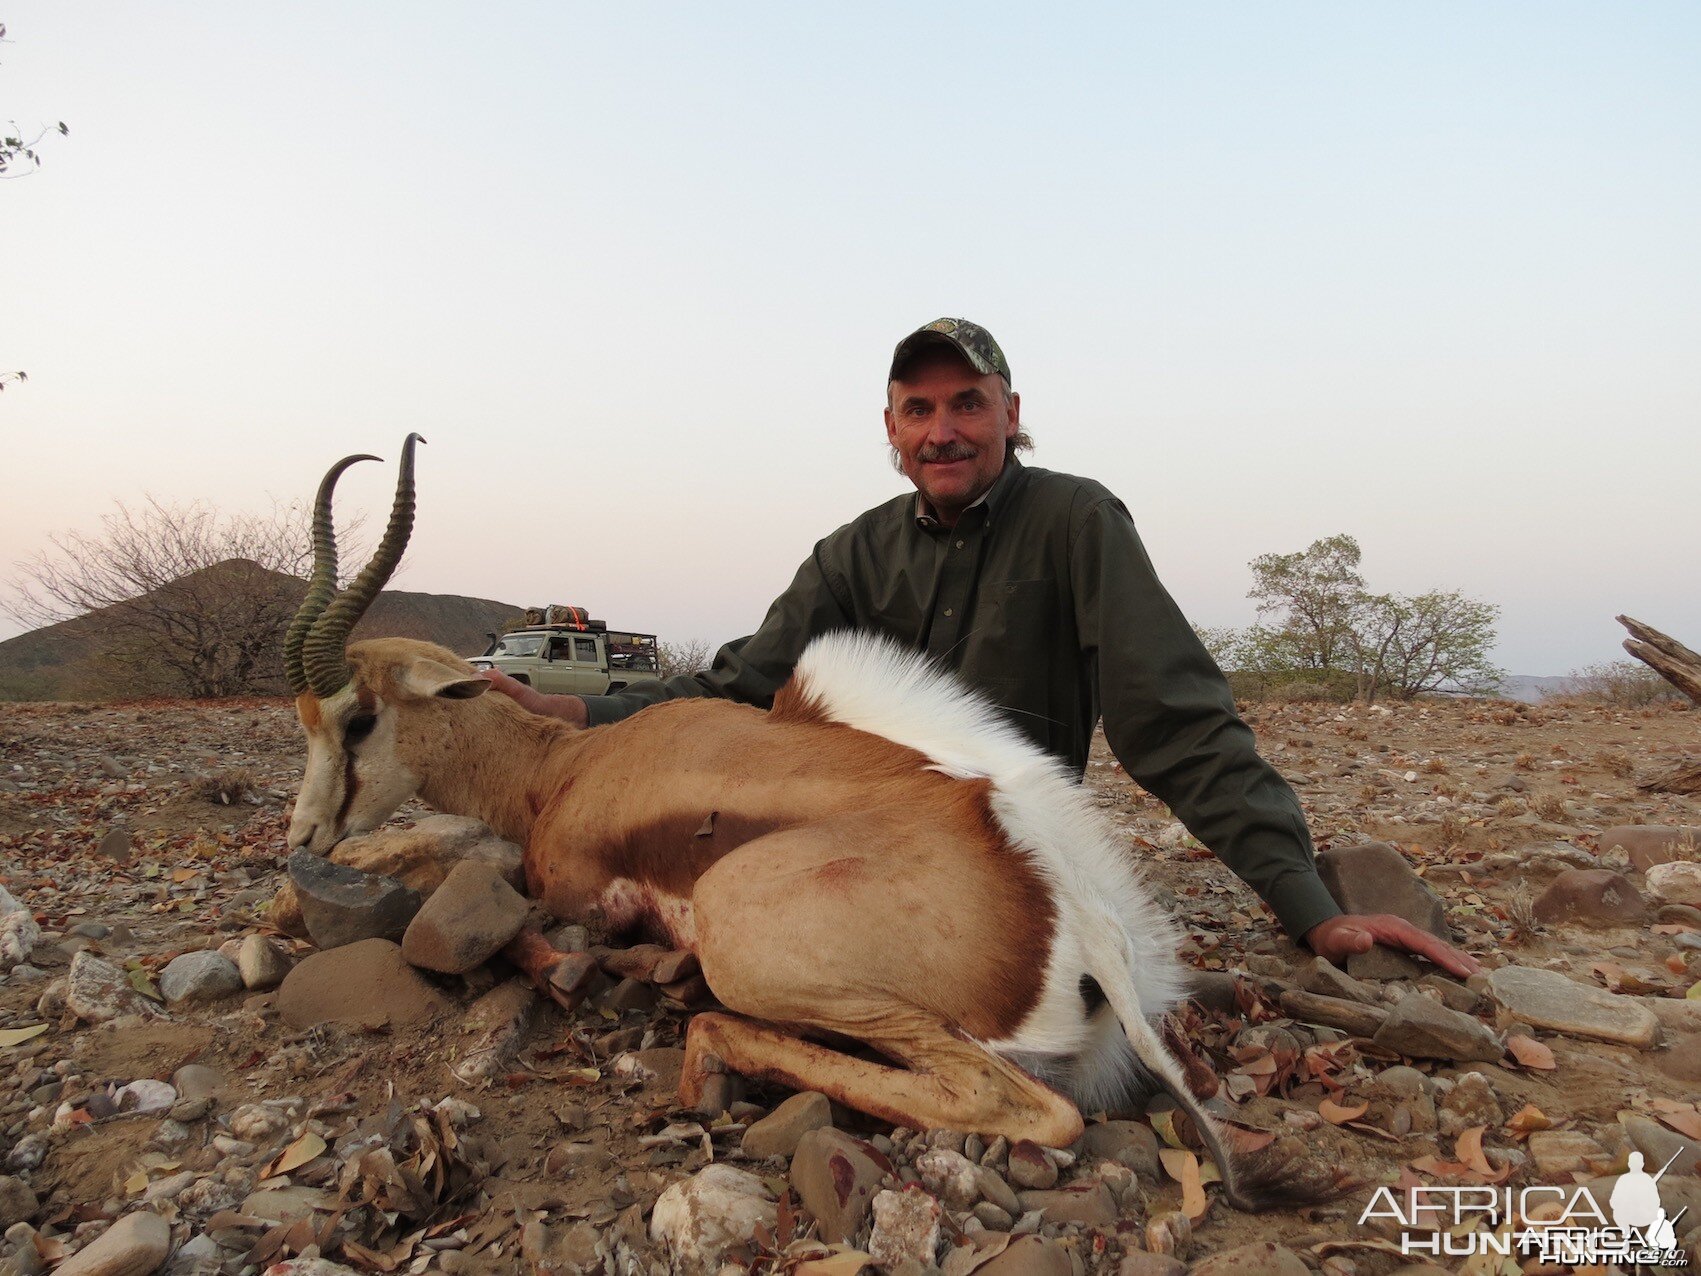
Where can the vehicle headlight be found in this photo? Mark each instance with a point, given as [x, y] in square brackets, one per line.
[481, 664]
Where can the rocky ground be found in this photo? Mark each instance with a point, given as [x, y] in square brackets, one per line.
[411, 1107]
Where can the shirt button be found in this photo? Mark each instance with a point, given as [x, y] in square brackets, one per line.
[949, 612]
[959, 544]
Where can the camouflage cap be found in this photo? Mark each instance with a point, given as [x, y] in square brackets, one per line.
[970, 340]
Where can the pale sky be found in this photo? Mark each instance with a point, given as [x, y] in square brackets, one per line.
[1428, 274]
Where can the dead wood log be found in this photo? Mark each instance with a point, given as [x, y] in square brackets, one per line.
[1681, 667]
[1665, 655]
[1333, 1012]
[1683, 778]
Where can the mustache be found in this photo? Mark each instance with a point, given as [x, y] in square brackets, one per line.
[958, 451]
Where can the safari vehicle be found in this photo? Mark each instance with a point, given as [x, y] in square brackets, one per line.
[559, 649]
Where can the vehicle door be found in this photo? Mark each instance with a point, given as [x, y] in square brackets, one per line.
[589, 674]
[555, 671]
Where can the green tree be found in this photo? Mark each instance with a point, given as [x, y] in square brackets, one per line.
[1319, 623]
[1315, 597]
[1406, 645]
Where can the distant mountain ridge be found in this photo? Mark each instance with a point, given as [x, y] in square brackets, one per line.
[65, 661]
[1531, 689]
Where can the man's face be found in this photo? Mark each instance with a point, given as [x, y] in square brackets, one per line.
[949, 425]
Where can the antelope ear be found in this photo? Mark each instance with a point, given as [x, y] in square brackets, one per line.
[432, 678]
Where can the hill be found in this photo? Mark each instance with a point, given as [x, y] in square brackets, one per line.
[73, 660]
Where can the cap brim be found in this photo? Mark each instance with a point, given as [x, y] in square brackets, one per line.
[911, 345]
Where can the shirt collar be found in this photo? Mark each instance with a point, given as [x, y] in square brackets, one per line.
[992, 498]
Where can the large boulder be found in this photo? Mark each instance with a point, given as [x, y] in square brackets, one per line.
[835, 1177]
[1547, 999]
[1593, 897]
[700, 1218]
[343, 905]
[466, 921]
[1649, 844]
[420, 857]
[1376, 878]
[369, 983]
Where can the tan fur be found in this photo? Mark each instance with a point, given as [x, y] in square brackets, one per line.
[825, 877]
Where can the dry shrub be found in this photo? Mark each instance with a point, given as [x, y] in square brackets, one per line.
[1508, 807]
[1435, 766]
[1622, 684]
[1451, 830]
[1615, 762]
[1521, 912]
[225, 788]
[1524, 762]
[1551, 807]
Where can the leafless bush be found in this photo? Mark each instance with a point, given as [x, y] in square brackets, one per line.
[1551, 807]
[225, 788]
[684, 655]
[178, 595]
[1616, 762]
[1521, 912]
[1623, 684]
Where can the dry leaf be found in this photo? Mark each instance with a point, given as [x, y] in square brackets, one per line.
[1682, 1117]
[1435, 1166]
[1528, 1119]
[1338, 1114]
[1531, 1053]
[845, 1263]
[1164, 1123]
[1248, 1141]
[17, 1036]
[1469, 1150]
[297, 1154]
[1183, 1167]
[136, 1184]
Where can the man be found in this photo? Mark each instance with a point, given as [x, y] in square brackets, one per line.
[1034, 587]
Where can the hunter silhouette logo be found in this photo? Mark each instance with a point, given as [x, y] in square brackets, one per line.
[1523, 1223]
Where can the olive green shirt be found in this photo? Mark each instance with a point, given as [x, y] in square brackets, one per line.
[1043, 599]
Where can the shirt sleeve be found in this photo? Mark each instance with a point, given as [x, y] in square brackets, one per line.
[754, 668]
[1169, 718]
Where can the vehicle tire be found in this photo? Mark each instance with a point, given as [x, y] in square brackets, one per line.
[614, 688]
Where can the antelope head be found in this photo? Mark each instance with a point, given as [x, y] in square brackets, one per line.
[370, 710]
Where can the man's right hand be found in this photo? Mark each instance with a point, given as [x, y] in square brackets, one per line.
[567, 708]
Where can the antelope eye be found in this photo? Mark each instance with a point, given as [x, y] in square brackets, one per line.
[359, 727]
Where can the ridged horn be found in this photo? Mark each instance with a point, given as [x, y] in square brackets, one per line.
[322, 651]
[322, 582]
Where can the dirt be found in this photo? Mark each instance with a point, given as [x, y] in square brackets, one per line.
[1457, 786]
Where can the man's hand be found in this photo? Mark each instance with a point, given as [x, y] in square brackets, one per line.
[1340, 937]
[567, 708]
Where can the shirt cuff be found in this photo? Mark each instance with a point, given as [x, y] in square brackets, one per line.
[602, 710]
[1300, 901]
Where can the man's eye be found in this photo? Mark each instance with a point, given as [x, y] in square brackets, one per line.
[359, 728]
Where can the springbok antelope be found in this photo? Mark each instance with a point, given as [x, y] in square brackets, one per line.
[880, 858]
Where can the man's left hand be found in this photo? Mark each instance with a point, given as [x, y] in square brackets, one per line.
[1340, 937]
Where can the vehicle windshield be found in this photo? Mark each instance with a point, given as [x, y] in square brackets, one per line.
[517, 645]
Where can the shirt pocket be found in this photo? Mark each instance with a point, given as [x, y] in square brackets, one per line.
[1022, 617]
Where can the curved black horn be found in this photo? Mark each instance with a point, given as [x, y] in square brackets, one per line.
[322, 650]
[322, 583]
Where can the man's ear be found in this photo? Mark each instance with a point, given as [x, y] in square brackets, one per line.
[1015, 416]
[427, 679]
[891, 429]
